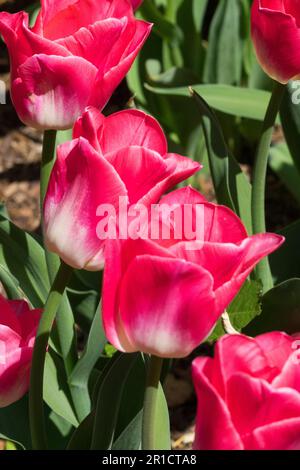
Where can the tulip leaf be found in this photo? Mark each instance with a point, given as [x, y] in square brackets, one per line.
[242, 310]
[224, 58]
[290, 119]
[56, 392]
[108, 401]
[280, 310]
[79, 379]
[162, 439]
[130, 438]
[236, 101]
[82, 436]
[10, 284]
[24, 258]
[231, 185]
[283, 165]
[14, 423]
[285, 262]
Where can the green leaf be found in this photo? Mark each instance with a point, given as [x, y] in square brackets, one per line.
[82, 436]
[283, 165]
[224, 58]
[79, 379]
[14, 423]
[130, 438]
[280, 310]
[162, 433]
[24, 258]
[242, 310]
[236, 101]
[231, 185]
[56, 392]
[108, 401]
[162, 27]
[10, 284]
[285, 262]
[290, 119]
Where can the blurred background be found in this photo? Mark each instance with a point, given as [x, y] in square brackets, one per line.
[206, 45]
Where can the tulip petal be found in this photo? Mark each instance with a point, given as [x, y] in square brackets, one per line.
[166, 305]
[7, 316]
[94, 43]
[81, 181]
[89, 126]
[142, 171]
[64, 17]
[212, 416]
[15, 378]
[255, 248]
[290, 374]
[118, 255]
[9, 342]
[277, 347]
[282, 63]
[118, 65]
[283, 435]
[248, 358]
[28, 319]
[142, 130]
[53, 91]
[219, 223]
[265, 404]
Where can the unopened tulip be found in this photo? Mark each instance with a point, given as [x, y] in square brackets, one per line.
[249, 394]
[74, 56]
[18, 325]
[275, 26]
[164, 296]
[120, 157]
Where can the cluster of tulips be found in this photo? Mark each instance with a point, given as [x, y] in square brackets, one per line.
[160, 297]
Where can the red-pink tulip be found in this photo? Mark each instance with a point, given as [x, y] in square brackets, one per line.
[249, 394]
[275, 28]
[164, 296]
[75, 56]
[120, 157]
[18, 325]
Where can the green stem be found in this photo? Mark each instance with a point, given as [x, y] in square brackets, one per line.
[65, 325]
[150, 401]
[263, 271]
[36, 406]
[48, 158]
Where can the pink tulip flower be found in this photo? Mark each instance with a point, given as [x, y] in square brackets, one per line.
[123, 156]
[18, 326]
[164, 297]
[74, 56]
[249, 394]
[275, 28]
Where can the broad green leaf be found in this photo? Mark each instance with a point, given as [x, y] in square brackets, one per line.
[82, 436]
[285, 262]
[130, 438]
[14, 423]
[283, 165]
[236, 101]
[280, 310]
[225, 47]
[79, 379]
[10, 284]
[242, 310]
[56, 392]
[290, 119]
[108, 401]
[231, 185]
[162, 27]
[162, 432]
[24, 258]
